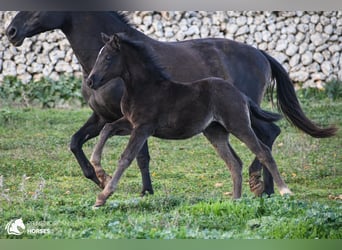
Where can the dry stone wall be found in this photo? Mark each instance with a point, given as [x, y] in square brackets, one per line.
[307, 44]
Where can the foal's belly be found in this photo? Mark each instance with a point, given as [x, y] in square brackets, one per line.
[175, 135]
[182, 130]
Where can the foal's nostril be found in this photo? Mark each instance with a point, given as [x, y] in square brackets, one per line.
[90, 81]
[11, 32]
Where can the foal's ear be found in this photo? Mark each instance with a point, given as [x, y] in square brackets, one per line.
[115, 42]
[105, 37]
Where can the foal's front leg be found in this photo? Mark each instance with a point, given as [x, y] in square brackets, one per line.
[122, 127]
[108, 130]
[138, 137]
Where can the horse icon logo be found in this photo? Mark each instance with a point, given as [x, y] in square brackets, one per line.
[15, 227]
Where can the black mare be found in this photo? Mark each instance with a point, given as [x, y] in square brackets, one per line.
[249, 69]
[155, 105]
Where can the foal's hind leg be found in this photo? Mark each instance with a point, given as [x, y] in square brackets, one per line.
[263, 153]
[218, 137]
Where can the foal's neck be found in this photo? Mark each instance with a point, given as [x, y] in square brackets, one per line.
[141, 68]
[140, 73]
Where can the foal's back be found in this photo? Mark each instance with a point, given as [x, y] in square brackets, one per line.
[214, 92]
[226, 102]
[187, 109]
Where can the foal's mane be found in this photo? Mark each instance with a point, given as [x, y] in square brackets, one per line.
[146, 55]
[144, 52]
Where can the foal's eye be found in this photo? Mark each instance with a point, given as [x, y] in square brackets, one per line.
[108, 58]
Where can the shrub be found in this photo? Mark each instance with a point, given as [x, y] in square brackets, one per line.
[45, 92]
[332, 90]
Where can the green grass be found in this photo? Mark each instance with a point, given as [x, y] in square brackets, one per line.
[42, 183]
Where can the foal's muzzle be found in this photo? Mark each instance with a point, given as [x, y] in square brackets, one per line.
[93, 82]
[90, 81]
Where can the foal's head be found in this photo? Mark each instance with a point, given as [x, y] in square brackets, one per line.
[108, 64]
[125, 55]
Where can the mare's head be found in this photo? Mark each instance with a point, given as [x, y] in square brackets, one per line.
[30, 23]
[108, 64]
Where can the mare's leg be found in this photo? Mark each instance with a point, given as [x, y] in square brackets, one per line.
[143, 160]
[138, 138]
[218, 137]
[267, 132]
[262, 152]
[121, 126]
[89, 130]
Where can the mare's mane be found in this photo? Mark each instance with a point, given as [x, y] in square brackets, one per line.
[123, 17]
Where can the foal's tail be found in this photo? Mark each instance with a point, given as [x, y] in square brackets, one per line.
[288, 103]
[257, 112]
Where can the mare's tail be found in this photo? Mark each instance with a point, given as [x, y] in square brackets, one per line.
[288, 103]
[257, 112]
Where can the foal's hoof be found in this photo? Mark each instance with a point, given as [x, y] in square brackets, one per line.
[100, 201]
[285, 191]
[104, 181]
[103, 178]
[256, 185]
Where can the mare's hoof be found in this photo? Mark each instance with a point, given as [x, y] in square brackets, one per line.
[258, 189]
[256, 185]
[145, 192]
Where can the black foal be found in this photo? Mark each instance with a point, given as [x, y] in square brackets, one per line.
[154, 105]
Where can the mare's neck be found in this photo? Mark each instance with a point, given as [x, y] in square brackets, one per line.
[83, 31]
